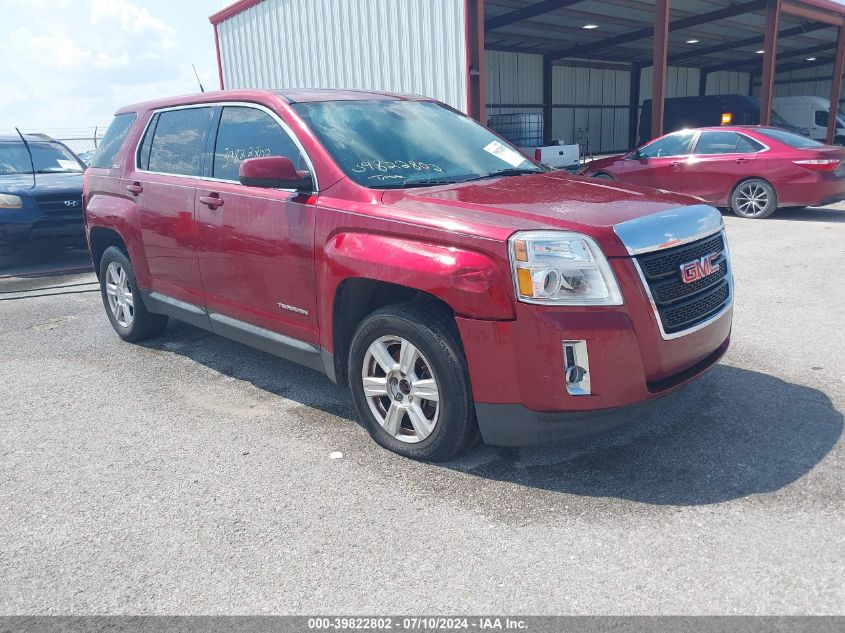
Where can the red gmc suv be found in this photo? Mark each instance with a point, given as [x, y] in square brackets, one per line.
[391, 242]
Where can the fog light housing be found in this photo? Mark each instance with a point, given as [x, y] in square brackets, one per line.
[576, 368]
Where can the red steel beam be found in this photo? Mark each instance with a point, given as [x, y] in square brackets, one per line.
[476, 75]
[770, 46]
[816, 15]
[659, 54]
[836, 86]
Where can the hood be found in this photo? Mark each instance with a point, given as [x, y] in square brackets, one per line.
[554, 200]
[593, 165]
[44, 183]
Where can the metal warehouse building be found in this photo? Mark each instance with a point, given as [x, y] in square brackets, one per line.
[585, 65]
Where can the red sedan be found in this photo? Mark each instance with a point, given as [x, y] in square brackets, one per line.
[751, 169]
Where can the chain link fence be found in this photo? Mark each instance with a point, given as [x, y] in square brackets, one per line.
[82, 141]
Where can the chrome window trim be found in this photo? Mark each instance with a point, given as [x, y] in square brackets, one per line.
[215, 104]
[663, 230]
[699, 326]
[766, 148]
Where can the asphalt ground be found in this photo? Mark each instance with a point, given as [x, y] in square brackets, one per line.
[191, 475]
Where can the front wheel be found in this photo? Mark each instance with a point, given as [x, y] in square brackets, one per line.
[410, 383]
[754, 198]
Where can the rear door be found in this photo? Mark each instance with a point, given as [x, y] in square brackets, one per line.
[164, 179]
[720, 158]
[660, 164]
[256, 253]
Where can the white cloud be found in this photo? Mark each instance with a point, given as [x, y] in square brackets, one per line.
[132, 19]
[76, 61]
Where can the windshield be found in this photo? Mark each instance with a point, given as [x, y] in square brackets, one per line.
[778, 120]
[788, 138]
[48, 158]
[389, 144]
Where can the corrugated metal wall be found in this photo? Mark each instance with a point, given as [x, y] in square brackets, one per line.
[590, 106]
[728, 83]
[808, 81]
[680, 82]
[413, 46]
[514, 78]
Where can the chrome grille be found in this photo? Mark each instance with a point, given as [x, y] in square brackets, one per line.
[54, 204]
[681, 306]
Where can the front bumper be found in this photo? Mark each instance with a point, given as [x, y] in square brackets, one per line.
[519, 368]
[518, 426]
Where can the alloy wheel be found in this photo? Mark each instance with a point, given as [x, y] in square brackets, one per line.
[401, 389]
[119, 293]
[752, 199]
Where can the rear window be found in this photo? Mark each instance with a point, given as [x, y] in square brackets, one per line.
[113, 140]
[178, 140]
[788, 138]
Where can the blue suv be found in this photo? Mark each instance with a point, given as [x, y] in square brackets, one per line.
[41, 197]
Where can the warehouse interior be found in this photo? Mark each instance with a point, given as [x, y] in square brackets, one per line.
[588, 65]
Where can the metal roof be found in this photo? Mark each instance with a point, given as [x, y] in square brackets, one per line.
[728, 33]
[708, 34]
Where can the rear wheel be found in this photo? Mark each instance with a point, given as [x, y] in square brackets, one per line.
[410, 383]
[754, 198]
[603, 176]
[122, 299]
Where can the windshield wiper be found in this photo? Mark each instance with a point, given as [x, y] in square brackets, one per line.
[415, 183]
[507, 172]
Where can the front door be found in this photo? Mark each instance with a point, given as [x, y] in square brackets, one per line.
[256, 244]
[660, 164]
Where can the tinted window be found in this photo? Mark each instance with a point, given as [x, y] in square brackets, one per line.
[177, 143]
[725, 143]
[147, 144]
[48, 158]
[112, 140]
[672, 145]
[788, 138]
[748, 145]
[822, 117]
[250, 133]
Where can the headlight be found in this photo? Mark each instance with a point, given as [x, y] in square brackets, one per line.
[8, 201]
[560, 268]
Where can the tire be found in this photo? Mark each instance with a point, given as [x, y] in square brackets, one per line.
[839, 140]
[754, 198]
[603, 176]
[122, 300]
[396, 392]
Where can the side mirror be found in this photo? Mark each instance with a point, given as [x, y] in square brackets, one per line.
[274, 172]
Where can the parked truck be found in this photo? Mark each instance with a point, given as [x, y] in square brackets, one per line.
[813, 114]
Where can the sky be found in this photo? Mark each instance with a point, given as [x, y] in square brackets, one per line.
[72, 63]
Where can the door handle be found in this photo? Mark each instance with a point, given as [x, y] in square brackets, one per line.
[135, 188]
[740, 161]
[676, 165]
[212, 201]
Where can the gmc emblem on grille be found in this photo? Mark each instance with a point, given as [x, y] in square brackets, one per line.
[699, 268]
[71, 203]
